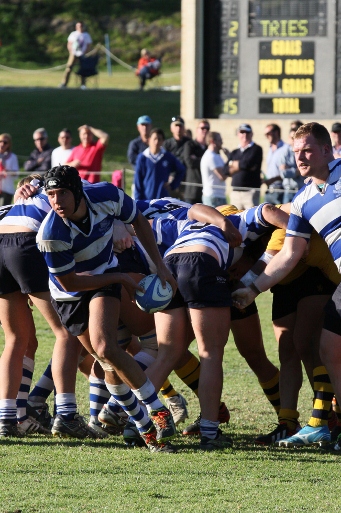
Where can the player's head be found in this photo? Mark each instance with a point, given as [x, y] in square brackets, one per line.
[65, 177]
[319, 132]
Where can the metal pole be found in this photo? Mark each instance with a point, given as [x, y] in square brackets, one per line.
[107, 45]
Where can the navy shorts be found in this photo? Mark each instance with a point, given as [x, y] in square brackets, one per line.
[201, 281]
[332, 318]
[238, 314]
[22, 266]
[130, 261]
[74, 315]
[286, 297]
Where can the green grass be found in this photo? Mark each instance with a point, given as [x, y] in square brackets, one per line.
[42, 475]
[113, 110]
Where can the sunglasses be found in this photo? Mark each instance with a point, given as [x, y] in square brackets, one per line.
[244, 132]
[204, 127]
[62, 137]
[40, 139]
[4, 142]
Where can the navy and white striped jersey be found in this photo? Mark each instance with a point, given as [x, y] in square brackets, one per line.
[28, 212]
[66, 248]
[165, 208]
[320, 209]
[250, 223]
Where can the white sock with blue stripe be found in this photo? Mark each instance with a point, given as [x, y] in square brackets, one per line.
[98, 396]
[66, 405]
[128, 401]
[209, 428]
[8, 410]
[148, 396]
[25, 385]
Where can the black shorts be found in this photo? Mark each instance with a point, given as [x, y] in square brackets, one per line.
[311, 283]
[332, 318]
[201, 281]
[131, 261]
[74, 315]
[22, 266]
[240, 314]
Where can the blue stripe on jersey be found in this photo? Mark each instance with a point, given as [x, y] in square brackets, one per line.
[250, 223]
[164, 207]
[30, 212]
[66, 248]
[313, 208]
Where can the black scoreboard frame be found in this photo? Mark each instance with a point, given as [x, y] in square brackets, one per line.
[271, 58]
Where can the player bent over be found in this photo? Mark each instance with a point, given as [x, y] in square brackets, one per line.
[76, 241]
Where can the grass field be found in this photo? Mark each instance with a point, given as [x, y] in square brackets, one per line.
[42, 475]
[25, 107]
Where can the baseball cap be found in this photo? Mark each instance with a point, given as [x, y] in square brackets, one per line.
[336, 127]
[178, 120]
[244, 128]
[144, 120]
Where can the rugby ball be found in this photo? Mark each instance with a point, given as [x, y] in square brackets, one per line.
[155, 297]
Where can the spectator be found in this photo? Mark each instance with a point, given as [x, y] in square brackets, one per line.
[292, 180]
[295, 125]
[336, 137]
[138, 145]
[148, 67]
[40, 158]
[245, 169]
[61, 154]
[9, 169]
[87, 156]
[175, 144]
[213, 171]
[273, 173]
[78, 44]
[154, 167]
[193, 152]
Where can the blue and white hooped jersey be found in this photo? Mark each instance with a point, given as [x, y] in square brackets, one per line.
[321, 210]
[250, 223]
[165, 208]
[66, 248]
[29, 212]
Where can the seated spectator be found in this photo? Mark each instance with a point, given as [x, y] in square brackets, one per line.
[87, 156]
[153, 169]
[61, 154]
[148, 67]
[40, 158]
[9, 169]
[138, 145]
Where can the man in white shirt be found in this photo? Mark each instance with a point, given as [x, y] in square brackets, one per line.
[213, 171]
[78, 44]
[60, 155]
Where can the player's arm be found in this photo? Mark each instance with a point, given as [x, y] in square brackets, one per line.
[279, 267]
[145, 235]
[275, 216]
[207, 214]
[80, 282]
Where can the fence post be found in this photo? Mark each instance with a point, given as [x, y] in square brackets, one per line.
[107, 46]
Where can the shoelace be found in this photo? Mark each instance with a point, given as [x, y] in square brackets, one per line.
[160, 419]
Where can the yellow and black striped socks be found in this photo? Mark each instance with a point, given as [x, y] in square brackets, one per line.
[323, 395]
[271, 390]
[190, 373]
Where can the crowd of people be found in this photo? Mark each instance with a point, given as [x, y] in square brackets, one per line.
[93, 243]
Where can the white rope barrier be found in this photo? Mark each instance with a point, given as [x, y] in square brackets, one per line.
[62, 66]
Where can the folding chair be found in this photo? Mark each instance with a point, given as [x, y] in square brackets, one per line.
[88, 67]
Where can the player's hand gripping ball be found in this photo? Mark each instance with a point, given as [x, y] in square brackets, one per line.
[155, 298]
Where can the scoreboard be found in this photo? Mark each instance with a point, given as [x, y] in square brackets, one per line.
[264, 58]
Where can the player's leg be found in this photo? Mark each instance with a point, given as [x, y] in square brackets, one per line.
[15, 317]
[211, 328]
